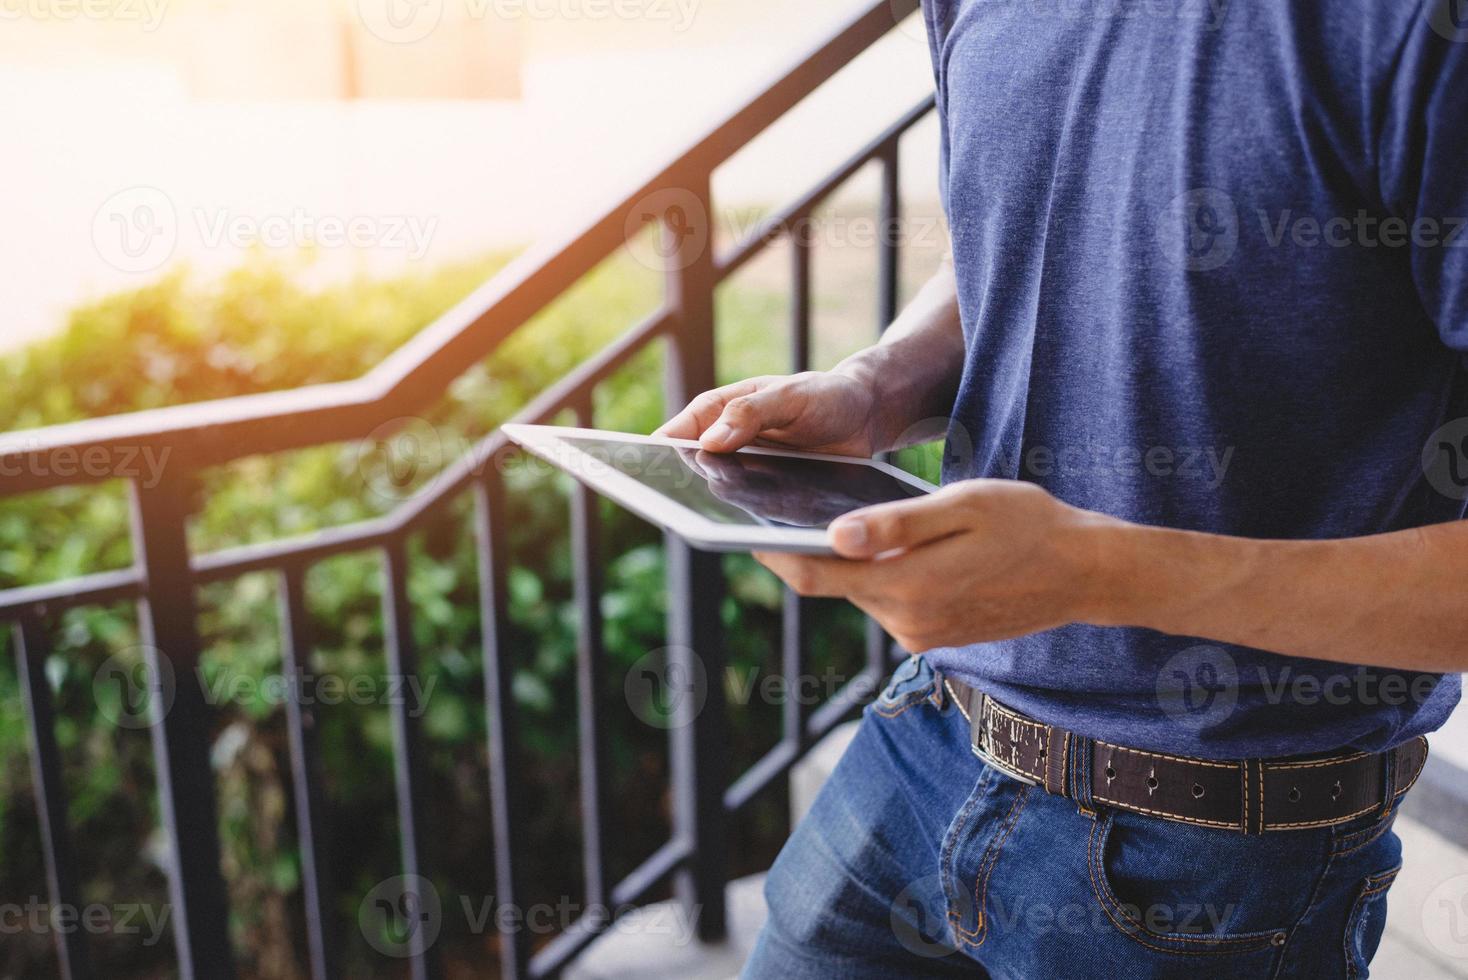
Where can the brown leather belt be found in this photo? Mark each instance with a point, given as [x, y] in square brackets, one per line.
[1249, 795]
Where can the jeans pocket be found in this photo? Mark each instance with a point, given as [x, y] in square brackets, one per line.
[912, 682]
[1176, 888]
[1367, 922]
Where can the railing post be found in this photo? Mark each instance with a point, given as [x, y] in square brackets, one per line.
[410, 772]
[889, 237]
[591, 744]
[795, 623]
[317, 887]
[505, 787]
[695, 588]
[31, 649]
[889, 218]
[183, 735]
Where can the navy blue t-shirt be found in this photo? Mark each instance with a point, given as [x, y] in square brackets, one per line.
[1213, 273]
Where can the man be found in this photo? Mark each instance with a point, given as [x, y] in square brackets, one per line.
[1196, 584]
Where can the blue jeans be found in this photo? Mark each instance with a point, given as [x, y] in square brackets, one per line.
[918, 860]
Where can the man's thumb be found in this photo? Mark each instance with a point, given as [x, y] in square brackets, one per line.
[901, 525]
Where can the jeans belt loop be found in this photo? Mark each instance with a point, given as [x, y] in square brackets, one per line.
[1079, 764]
[1252, 819]
[1388, 780]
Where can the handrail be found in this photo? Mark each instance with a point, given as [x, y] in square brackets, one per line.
[229, 562]
[214, 432]
[165, 573]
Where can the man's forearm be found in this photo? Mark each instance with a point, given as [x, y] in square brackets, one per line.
[1392, 600]
[915, 370]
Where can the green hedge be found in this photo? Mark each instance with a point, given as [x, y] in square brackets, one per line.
[182, 340]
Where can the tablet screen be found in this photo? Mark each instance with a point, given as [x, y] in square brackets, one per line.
[750, 488]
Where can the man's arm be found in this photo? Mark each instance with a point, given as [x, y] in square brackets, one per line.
[1390, 600]
[986, 560]
[917, 365]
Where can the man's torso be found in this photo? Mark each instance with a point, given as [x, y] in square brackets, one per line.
[1201, 250]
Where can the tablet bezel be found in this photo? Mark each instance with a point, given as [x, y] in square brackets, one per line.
[548, 442]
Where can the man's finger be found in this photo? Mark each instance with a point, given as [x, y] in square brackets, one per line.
[814, 575]
[703, 411]
[903, 524]
[745, 416]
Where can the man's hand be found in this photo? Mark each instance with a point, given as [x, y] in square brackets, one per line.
[877, 399]
[819, 411]
[979, 560]
[987, 560]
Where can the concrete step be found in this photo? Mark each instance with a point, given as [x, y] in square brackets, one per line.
[654, 943]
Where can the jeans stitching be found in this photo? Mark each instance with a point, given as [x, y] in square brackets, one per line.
[1218, 824]
[1315, 894]
[1374, 885]
[908, 701]
[1376, 832]
[1135, 932]
[995, 845]
[983, 921]
[1331, 821]
[956, 832]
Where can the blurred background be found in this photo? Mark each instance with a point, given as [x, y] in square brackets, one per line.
[142, 135]
[206, 198]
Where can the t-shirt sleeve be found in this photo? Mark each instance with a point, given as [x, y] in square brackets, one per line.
[1424, 159]
[937, 15]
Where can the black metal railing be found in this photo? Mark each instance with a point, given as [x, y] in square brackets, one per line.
[164, 577]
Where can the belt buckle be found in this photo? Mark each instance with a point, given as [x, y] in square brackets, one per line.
[988, 758]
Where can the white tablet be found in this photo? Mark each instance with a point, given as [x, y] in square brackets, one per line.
[756, 499]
